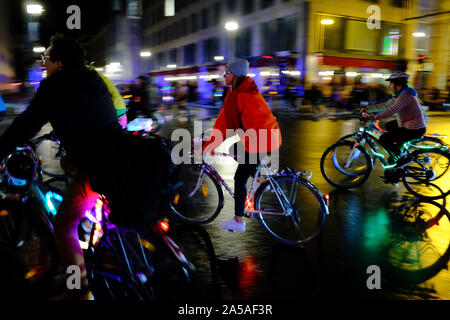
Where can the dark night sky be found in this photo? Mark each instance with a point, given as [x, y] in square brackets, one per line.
[94, 15]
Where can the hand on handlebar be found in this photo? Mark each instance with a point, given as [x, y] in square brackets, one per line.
[367, 116]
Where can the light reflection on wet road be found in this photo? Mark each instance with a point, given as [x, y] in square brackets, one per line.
[365, 227]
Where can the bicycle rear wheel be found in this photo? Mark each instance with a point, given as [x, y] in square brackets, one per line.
[344, 167]
[200, 198]
[29, 247]
[427, 177]
[306, 217]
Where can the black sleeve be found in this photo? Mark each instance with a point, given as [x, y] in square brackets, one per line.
[28, 123]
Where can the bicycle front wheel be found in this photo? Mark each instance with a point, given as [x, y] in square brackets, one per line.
[345, 166]
[200, 198]
[291, 209]
[427, 176]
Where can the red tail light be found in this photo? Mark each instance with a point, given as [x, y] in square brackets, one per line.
[164, 225]
[327, 198]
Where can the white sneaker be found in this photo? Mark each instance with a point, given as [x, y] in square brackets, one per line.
[232, 225]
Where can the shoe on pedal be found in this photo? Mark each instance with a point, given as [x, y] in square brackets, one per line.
[233, 226]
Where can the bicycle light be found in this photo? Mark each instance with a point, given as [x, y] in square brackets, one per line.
[164, 225]
[326, 197]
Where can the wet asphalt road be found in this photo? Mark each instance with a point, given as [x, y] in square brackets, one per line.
[361, 231]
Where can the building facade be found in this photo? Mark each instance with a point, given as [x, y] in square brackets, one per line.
[7, 73]
[196, 34]
[359, 37]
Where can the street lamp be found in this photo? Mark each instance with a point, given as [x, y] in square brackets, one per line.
[231, 27]
[35, 9]
[146, 54]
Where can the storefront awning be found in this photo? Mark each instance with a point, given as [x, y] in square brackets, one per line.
[357, 63]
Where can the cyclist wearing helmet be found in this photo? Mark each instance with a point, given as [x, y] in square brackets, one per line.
[410, 123]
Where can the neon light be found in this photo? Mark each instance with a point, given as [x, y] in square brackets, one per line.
[389, 166]
[378, 154]
[50, 205]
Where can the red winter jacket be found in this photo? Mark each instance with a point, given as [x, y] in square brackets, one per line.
[245, 108]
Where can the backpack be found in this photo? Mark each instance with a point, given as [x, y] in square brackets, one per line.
[141, 179]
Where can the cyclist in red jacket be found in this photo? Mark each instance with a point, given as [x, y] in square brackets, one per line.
[245, 108]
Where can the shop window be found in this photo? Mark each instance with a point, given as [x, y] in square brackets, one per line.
[359, 38]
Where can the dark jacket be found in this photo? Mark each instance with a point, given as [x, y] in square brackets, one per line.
[79, 107]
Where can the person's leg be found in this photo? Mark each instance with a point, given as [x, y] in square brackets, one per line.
[78, 198]
[389, 139]
[243, 172]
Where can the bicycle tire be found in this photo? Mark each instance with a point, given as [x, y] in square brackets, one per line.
[286, 228]
[416, 231]
[203, 206]
[35, 257]
[426, 183]
[108, 275]
[345, 178]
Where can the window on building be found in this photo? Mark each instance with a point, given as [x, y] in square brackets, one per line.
[210, 49]
[205, 18]
[392, 37]
[217, 12]
[280, 34]
[247, 6]
[359, 38]
[333, 34]
[243, 43]
[287, 29]
[231, 6]
[173, 56]
[267, 3]
[160, 60]
[194, 24]
[400, 3]
[189, 54]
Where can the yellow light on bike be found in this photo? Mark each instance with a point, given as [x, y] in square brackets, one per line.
[146, 244]
[3, 213]
[30, 273]
[175, 200]
[205, 190]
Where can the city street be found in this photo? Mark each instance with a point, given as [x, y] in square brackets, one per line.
[363, 229]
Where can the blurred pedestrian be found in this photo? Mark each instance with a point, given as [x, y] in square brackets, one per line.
[140, 101]
[359, 96]
[315, 97]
